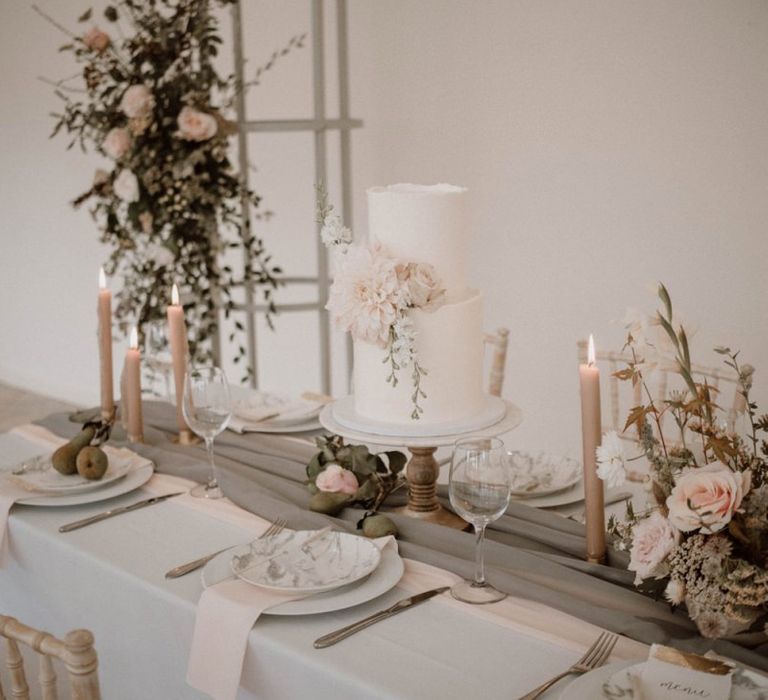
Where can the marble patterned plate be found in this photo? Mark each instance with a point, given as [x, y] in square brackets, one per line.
[289, 563]
[616, 681]
[41, 477]
[384, 577]
[542, 474]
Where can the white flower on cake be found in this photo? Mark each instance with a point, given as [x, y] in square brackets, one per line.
[425, 289]
[365, 296]
[372, 293]
[611, 461]
[334, 232]
[404, 341]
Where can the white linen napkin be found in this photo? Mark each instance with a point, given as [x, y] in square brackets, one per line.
[9, 494]
[226, 612]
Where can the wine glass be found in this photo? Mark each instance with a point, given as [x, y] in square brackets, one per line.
[157, 354]
[207, 408]
[479, 489]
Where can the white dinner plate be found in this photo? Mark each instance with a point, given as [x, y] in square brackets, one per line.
[240, 426]
[136, 477]
[384, 577]
[293, 562]
[614, 681]
[542, 473]
[574, 494]
[43, 478]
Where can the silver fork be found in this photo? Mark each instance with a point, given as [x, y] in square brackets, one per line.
[594, 657]
[275, 528]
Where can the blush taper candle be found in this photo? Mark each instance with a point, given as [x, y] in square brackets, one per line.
[104, 308]
[132, 388]
[594, 501]
[177, 334]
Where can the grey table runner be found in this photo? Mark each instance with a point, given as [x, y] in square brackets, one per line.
[529, 553]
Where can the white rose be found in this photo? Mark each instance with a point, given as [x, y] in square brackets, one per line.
[116, 143]
[653, 539]
[161, 256]
[196, 126]
[706, 497]
[126, 186]
[611, 463]
[137, 102]
[425, 289]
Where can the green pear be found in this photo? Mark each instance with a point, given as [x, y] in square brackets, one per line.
[378, 526]
[64, 460]
[329, 503]
[92, 463]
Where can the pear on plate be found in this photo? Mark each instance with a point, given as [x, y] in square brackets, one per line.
[64, 460]
[92, 463]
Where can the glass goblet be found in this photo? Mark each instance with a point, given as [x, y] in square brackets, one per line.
[157, 353]
[207, 408]
[479, 489]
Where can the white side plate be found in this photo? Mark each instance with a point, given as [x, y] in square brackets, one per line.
[288, 562]
[384, 577]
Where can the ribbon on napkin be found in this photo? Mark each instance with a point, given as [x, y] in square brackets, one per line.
[226, 612]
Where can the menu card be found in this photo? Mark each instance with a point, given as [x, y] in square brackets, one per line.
[670, 674]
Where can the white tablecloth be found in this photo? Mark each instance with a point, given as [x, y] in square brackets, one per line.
[109, 578]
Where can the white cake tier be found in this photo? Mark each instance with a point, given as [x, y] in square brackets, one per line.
[449, 346]
[423, 223]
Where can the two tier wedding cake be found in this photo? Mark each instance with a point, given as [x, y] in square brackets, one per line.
[416, 324]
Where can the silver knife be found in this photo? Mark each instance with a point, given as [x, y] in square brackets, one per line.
[117, 511]
[329, 639]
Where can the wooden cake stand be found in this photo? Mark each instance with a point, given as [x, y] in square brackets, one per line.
[422, 469]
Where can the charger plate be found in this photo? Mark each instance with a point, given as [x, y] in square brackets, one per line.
[43, 478]
[135, 478]
[614, 681]
[384, 577]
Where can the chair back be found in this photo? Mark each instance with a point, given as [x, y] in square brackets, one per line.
[499, 341]
[75, 652]
[622, 396]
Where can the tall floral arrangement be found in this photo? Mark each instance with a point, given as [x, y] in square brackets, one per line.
[705, 535]
[372, 294]
[170, 203]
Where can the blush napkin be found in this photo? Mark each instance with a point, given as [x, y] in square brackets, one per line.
[226, 612]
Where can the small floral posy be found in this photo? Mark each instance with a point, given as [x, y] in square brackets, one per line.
[706, 533]
[372, 294]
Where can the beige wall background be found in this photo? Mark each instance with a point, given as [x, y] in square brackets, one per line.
[606, 145]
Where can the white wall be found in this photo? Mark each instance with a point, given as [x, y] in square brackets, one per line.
[606, 145]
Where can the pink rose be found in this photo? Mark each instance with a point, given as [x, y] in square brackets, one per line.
[652, 541]
[714, 493]
[117, 143]
[425, 288]
[335, 479]
[96, 40]
[137, 102]
[196, 126]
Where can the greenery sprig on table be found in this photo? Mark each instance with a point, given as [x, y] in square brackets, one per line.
[171, 204]
[706, 531]
[341, 475]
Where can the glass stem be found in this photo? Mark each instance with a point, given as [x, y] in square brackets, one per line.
[212, 483]
[479, 564]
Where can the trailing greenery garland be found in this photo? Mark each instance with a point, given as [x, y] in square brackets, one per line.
[172, 203]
